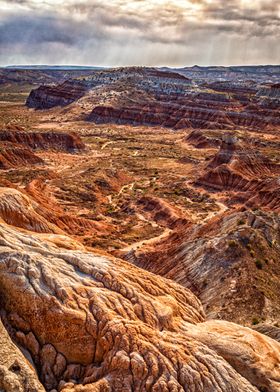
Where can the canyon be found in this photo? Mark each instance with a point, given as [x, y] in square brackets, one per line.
[140, 229]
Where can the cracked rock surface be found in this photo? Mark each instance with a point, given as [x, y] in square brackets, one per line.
[95, 323]
[16, 374]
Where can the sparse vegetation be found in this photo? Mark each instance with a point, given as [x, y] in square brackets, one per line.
[255, 321]
[259, 264]
[232, 243]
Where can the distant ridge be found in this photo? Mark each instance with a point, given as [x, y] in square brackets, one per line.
[54, 67]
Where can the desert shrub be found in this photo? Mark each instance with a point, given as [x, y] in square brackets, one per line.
[232, 243]
[255, 321]
[259, 264]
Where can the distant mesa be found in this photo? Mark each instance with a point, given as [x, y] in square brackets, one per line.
[178, 98]
[47, 97]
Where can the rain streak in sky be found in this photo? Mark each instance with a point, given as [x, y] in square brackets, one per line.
[139, 32]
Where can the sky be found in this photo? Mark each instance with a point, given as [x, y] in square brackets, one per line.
[172, 33]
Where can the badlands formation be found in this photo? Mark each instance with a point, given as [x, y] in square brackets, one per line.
[140, 230]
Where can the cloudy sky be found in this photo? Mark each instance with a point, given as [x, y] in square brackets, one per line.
[140, 32]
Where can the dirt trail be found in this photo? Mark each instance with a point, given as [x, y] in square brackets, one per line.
[126, 187]
[106, 144]
[137, 245]
[222, 209]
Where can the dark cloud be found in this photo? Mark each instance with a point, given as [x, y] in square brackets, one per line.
[139, 32]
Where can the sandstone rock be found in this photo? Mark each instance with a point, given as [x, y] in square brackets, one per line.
[16, 373]
[103, 324]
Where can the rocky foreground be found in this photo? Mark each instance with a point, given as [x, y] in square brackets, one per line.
[87, 322]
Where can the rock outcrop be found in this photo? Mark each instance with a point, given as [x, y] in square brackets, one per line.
[188, 110]
[199, 140]
[240, 168]
[46, 97]
[14, 155]
[16, 372]
[60, 141]
[101, 324]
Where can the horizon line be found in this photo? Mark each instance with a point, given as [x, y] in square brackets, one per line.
[140, 66]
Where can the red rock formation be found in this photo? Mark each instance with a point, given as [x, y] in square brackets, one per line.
[54, 140]
[242, 158]
[14, 155]
[157, 97]
[164, 114]
[90, 322]
[46, 97]
[41, 214]
[199, 140]
[161, 212]
[239, 167]
[175, 115]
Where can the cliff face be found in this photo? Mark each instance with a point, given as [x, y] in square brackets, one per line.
[104, 324]
[46, 97]
[60, 141]
[184, 115]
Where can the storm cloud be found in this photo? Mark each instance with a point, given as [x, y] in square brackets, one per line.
[142, 32]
